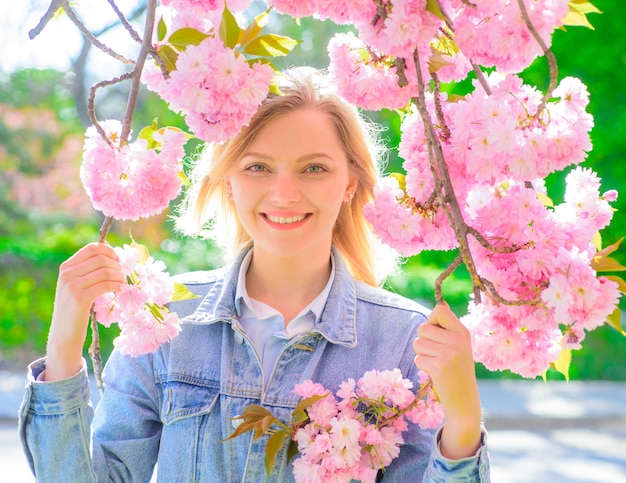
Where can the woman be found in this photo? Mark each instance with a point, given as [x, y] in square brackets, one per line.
[298, 301]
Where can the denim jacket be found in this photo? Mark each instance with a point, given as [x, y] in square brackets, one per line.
[175, 407]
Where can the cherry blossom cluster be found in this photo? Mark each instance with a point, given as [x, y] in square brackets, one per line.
[505, 140]
[213, 86]
[131, 181]
[352, 436]
[138, 307]
[548, 249]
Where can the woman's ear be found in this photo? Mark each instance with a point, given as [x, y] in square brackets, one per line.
[228, 189]
[351, 190]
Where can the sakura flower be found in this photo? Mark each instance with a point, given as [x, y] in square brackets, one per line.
[139, 306]
[127, 182]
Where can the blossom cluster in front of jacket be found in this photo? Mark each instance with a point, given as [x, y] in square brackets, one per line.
[139, 306]
[348, 437]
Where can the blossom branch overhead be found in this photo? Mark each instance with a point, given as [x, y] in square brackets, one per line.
[469, 160]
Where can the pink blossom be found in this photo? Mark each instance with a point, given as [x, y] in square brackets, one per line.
[494, 33]
[309, 388]
[130, 181]
[406, 26]
[139, 306]
[366, 79]
[215, 88]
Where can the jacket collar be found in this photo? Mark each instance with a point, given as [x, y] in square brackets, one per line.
[338, 320]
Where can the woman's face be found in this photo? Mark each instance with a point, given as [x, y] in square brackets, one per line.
[289, 185]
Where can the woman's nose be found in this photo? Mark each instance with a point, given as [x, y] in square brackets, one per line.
[285, 189]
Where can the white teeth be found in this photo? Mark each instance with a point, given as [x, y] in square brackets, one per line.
[285, 219]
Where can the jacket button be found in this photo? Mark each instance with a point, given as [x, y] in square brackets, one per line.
[238, 338]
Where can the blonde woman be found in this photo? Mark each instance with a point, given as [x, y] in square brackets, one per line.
[298, 299]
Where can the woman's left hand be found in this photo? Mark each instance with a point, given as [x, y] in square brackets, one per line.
[444, 351]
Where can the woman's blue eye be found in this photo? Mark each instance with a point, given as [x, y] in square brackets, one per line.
[256, 167]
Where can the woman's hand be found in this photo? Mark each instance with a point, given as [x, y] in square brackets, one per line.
[444, 352]
[91, 272]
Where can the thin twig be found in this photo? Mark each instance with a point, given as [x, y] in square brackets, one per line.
[446, 17]
[456, 263]
[481, 77]
[49, 15]
[129, 28]
[91, 105]
[146, 47]
[493, 293]
[89, 36]
[94, 348]
[552, 65]
[490, 246]
[421, 392]
[438, 107]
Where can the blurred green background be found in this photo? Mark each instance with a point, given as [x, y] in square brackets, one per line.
[45, 216]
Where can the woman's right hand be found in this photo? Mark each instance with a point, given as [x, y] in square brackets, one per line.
[91, 272]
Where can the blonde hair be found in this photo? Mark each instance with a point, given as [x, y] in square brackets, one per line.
[300, 88]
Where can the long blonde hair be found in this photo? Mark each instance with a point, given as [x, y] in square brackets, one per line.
[207, 211]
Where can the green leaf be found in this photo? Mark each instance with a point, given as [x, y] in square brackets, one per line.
[596, 240]
[401, 179]
[147, 133]
[262, 425]
[615, 320]
[271, 45]
[432, 6]
[242, 428]
[583, 6]
[545, 200]
[169, 56]
[255, 412]
[185, 37]
[144, 253]
[182, 293]
[610, 249]
[274, 444]
[229, 29]
[161, 30]
[292, 450]
[563, 362]
[184, 179]
[307, 403]
[577, 19]
[606, 264]
[254, 29]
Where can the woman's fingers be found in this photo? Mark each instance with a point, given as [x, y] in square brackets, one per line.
[91, 272]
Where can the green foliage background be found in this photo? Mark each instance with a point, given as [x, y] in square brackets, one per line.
[33, 244]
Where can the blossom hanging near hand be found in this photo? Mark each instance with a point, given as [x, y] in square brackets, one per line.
[139, 307]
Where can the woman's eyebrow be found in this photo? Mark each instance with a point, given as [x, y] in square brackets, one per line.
[301, 159]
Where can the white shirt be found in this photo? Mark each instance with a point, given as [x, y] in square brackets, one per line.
[265, 326]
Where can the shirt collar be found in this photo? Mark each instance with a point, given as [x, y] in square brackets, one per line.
[316, 307]
[338, 320]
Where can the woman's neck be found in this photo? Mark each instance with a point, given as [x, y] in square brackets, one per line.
[287, 284]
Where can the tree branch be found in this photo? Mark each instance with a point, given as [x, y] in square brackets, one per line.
[91, 105]
[146, 48]
[456, 263]
[85, 31]
[129, 28]
[49, 15]
[552, 64]
[449, 201]
[135, 76]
